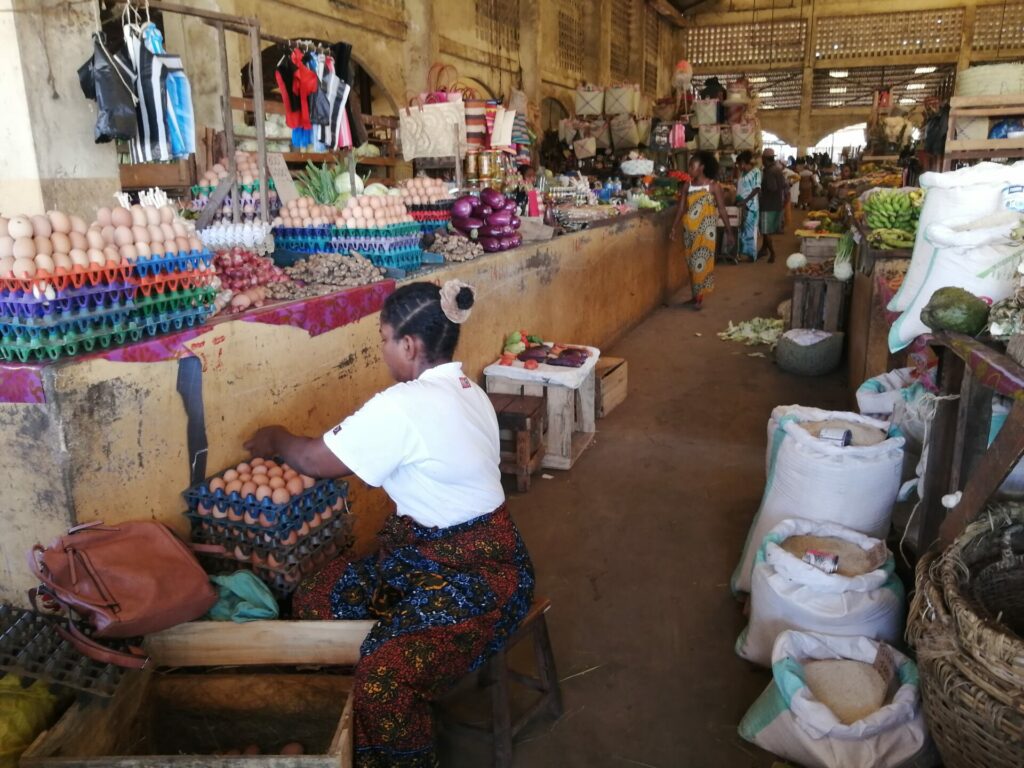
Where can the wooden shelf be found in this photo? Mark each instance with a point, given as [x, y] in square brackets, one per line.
[981, 149]
[324, 157]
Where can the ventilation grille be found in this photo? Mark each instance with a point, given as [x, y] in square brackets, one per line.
[571, 36]
[497, 22]
[652, 52]
[622, 39]
[888, 34]
[999, 27]
[743, 44]
[909, 84]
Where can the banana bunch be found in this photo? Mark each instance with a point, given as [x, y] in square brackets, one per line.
[888, 239]
[892, 209]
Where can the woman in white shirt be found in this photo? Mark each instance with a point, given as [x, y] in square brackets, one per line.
[452, 579]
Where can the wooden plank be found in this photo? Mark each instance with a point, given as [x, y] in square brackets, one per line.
[612, 384]
[286, 189]
[165, 175]
[986, 111]
[835, 294]
[214, 643]
[958, 102]
[586, 414]
[249, 105]
[857, 329]
[796, 311]
[989, 145]
[561, 419]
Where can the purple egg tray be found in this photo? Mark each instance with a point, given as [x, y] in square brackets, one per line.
[88, 297]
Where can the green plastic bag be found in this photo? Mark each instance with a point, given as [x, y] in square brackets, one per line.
[242, 597]
[24, 714]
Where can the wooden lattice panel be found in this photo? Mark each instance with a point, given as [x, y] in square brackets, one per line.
[909, 85]
[497, 22]
[888, 34]
[776, 89]
[652, 51]
[999, 27]
[622, 38]
[571, 38]
[763, 43]
[397, 5]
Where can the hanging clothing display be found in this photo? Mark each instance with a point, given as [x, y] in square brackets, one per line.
[108, 82]
[166, 122]
[317, 99]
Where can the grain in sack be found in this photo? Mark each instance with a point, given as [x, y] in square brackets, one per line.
[821, 577]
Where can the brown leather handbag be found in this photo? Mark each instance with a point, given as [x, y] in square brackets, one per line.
[123, 581]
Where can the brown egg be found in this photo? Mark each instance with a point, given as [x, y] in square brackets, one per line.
[61, 261]
[123, 236]
[263, 492]
[218, 513]
[143, 250]
[248, 489]
[168, 233]
[111, 253]
[195, 244]
[41, 226]
[276, 483]
[96, 256]
[103, 217]
[43, 245]
[294, 486]
[257, 462]
[108, 234]
[140, 234]
[289, 473]
[128, 253]
[229, 475]
[243, 468]
[44, 263]
[281, 496]
[23, 268]
[216, 484]
[138, 214]
[7, 267]
[79, 257]
[120, 217]
[257, 469]
[166, 214]
[275, 471]
[80, 240]
[19, 226]
[182, 244]
[241, 556]
[233, 486]
[152, 215]
[245, 477]
[156, 234]
[307, 481]
[59, 222]
[24, 248]
[61, 242]
[78, 225]
[7, 248]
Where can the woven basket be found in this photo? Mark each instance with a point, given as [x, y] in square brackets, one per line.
[973, 693]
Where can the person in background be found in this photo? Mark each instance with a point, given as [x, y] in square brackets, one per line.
[452, 579]
[807, 176]
[700, 206]
[773, 202]
[748, 197]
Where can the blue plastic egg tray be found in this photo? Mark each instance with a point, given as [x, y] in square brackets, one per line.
[148, 266]
[407, 260]
[231, 533]
[25, 304]
[57, 327]
[273, 518]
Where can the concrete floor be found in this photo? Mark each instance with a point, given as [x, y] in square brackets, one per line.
[635, 545]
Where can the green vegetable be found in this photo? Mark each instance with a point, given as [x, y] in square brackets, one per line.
[760, 330]
[954, 309]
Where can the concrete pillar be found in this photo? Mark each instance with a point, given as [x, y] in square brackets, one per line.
[529, 49]
[50, 159]
[422, 47]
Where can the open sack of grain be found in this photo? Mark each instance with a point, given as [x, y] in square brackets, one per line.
[816, 479]
[820, 713]
[792, 587]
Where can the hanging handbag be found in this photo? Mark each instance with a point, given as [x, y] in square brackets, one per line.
[621, 99]
[624, 132]
[584, 148]
[589, 100]
[643, 129]
[122, 581]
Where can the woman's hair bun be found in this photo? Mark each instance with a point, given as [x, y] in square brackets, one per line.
[465, 298]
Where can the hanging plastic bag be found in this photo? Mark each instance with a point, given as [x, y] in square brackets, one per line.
[789, 721]
[107, 81]
[862, 597]
[625, 134]
[242, 597]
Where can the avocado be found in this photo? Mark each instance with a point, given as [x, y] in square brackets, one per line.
[954, 309]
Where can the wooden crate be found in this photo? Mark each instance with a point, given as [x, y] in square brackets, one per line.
[819, 248]
[181, 173]
[251, 706]
[612, 384]
[820, 302]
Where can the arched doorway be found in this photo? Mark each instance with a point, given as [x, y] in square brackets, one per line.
[851, 137]
[783, 151]
[551, 112]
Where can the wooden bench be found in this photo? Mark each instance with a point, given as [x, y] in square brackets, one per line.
[521, 420]
[496, 675]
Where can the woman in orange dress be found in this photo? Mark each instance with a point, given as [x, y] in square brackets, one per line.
[700, 207]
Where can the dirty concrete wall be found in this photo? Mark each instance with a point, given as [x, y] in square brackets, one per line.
[70, 172]
[111, 443]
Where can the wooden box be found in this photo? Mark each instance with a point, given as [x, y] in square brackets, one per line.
[820, 303]
[155, 719]
[611, 384]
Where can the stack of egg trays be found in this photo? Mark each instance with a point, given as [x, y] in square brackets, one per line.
[162, 282]
[76, 277]
[28, 304]
[31, 648]
[182, 261]
[408, 260]
[275, 520]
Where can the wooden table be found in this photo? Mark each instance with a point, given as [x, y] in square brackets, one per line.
[960, 457]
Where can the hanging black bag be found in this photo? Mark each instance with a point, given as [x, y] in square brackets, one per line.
[107, 81]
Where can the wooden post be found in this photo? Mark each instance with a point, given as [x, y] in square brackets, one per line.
[229, 126]
[259, 112]
[458, 157]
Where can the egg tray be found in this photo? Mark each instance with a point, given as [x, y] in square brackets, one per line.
[277, 530]
[173, 281]
[431, 215]
[38, 350]
[408, 260]
[208, 530]
[70, 301]
[280, 517]
[182, 261]
[200, 189]
[31, 648]
[444, 206]
[369, 245]
[76, 277]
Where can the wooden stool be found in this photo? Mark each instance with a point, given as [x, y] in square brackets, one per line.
[521, 421]
[496, 675]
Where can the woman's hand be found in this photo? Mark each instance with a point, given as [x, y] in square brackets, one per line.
[264, 442]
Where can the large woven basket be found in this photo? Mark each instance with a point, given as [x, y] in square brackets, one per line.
[970, 660]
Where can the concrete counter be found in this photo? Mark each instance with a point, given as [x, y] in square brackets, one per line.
[105, 436]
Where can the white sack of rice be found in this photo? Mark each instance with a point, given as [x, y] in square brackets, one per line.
[853, 560]
[851, 689]
[862, 434]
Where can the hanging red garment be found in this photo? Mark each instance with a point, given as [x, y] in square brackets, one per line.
[304, 83]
